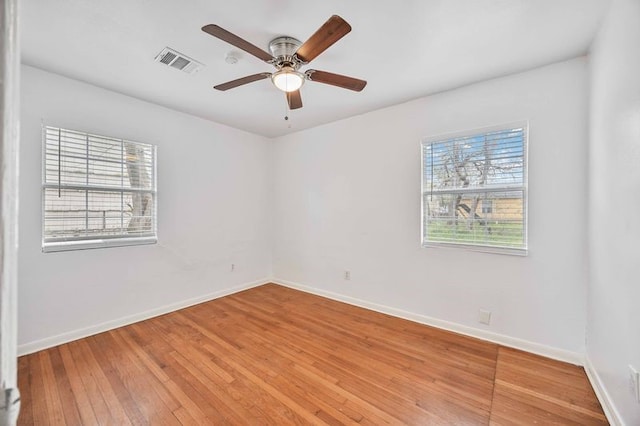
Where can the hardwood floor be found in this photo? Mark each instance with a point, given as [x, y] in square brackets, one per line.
[272, 355]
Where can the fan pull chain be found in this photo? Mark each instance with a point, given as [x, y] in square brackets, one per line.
[287, 111]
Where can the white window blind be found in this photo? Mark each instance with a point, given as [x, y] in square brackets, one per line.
[474, 190]
[97, 191]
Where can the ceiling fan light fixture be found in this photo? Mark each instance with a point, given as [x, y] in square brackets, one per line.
[287, 79]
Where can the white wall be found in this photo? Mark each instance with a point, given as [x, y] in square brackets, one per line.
[347, 197]
[213, 210]
[613, 322]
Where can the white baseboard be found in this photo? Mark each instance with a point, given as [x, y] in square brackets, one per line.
[512, 342]
[69, 336]
[613, 416]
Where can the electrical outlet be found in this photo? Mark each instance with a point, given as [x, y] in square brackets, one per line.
[484, 316]
[347, 275]
[634, 382]
[233, 267]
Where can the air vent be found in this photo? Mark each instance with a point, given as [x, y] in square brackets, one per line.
[178, 61]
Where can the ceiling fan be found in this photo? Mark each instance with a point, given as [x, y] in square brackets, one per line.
[287, 56]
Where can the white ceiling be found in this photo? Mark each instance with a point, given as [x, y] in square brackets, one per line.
[405, 49]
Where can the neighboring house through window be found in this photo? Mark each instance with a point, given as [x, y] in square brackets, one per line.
[97, 191]
[474, 189]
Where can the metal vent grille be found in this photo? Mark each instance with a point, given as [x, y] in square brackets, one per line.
[166, 59]
[178, 61]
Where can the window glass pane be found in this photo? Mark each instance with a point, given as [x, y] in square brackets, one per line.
[73, 159]
[139, 213]
[105, 213]
[96, 187]
[460, 218]
[64, 215]
[488, 160]
[105, 162]
[139, 166]
[474, 189]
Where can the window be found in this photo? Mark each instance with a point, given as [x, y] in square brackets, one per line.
[487, 205]
[97, 191]
[474, 190]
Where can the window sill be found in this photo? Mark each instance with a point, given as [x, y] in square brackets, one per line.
[94, 244]
[482, 249]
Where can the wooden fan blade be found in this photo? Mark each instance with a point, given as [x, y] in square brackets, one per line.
[294, 99]
[244, 80]
[336, 80]
[236, 41]
[333, 30]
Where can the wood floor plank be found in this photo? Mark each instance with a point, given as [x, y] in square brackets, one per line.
[308, 393]
[109, 395]
[88, 373]
[25, 386]
[84, 404]
[213, 390]
[276, 356]
[40, 411]
[65, 391]
[112, 364]
[153, 399]
[546, 390]
[51, 394]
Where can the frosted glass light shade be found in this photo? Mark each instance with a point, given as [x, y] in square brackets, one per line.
[287, 79]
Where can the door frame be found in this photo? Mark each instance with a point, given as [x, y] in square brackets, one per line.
[9, 145]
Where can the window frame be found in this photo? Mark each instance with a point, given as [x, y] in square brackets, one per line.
[102, 241]
[517, 251]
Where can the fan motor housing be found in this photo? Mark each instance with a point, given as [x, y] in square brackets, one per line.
[283, 49]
